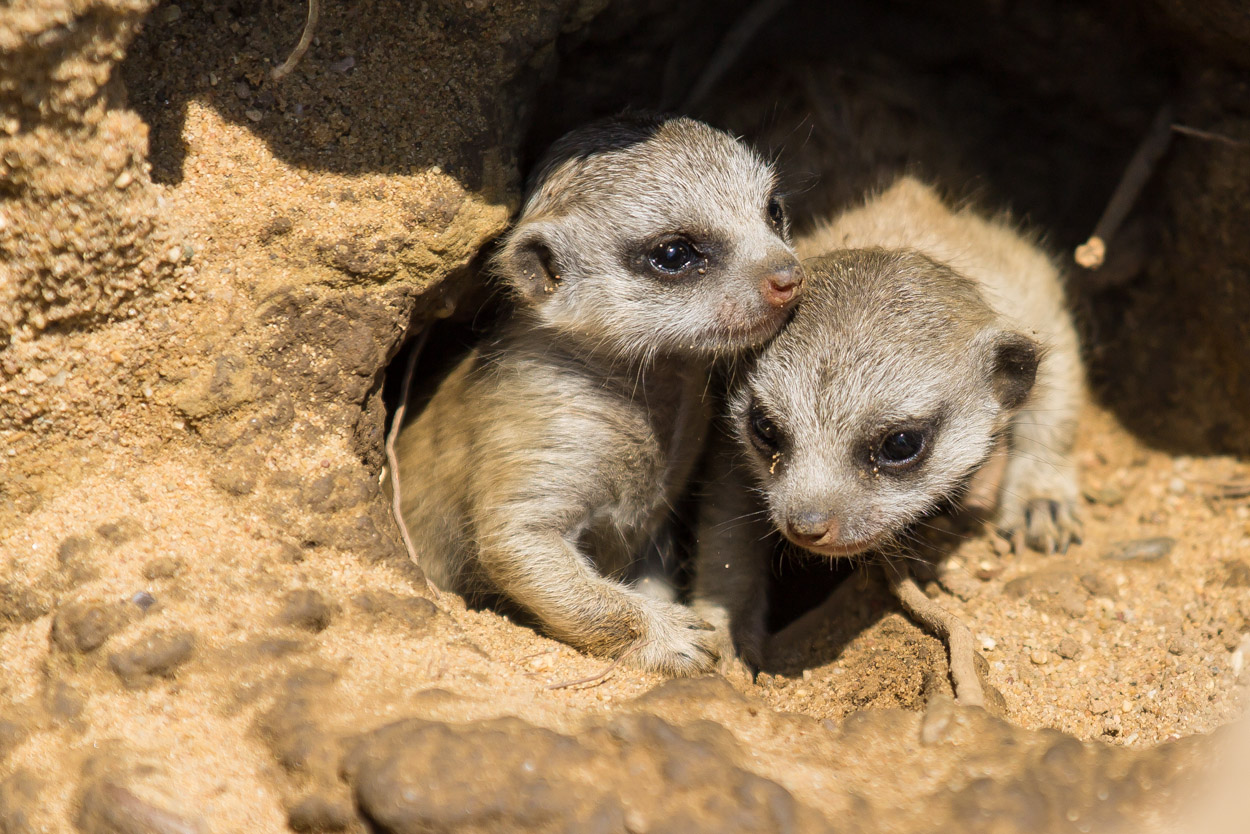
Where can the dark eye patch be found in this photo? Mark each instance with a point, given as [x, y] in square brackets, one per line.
[777, 213]
[765, 433]
[674, 256]
[901, 447]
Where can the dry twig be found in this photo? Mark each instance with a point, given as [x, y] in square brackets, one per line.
[731, 48]
[392, 461]
[607, 670]
[950, 628]
[1233, 489]
[1209, 135]
[1093, 252]
[305, 40]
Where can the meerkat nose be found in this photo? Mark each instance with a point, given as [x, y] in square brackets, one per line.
[781, 284]
[812, 529]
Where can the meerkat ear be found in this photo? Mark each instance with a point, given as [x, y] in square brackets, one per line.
[527, 261]
[1014, 359]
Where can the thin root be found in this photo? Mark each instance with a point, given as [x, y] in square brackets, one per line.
[1093, 252]
[1234, 489]
[950, 628]
[731, 48]
[305, 40]
[1209, 135]
[607, 670]
[393, 462]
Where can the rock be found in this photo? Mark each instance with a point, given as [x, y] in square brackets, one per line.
[1098, 585]
[422, 776]
[157, 655]
[1140, 550]
[64, 702]
[72, 554]
[1236, 573]
[108, 808]
[163, 567]
[20, 804]
[1109, 495]
[1068, 648]
[317, 813]
[20, 604]
[83, 627]
[340, 490]
[120, 531]
[306, 609]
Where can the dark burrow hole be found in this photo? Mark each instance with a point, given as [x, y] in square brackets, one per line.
[1032, 106]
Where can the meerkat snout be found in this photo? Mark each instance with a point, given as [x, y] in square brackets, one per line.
[812, 528]
[782, 283]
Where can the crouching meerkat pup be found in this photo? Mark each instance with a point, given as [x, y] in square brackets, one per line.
[545, 465]
[925, 336]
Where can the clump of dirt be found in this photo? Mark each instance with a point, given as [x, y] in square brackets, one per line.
[206, 619]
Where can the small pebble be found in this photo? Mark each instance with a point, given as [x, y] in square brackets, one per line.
[1108, 496]
[144, 600]
[168, 14]
[987, 570]
[1176, 486]
[343, 64]
[1068, 648]
[1181, 646]
[1140, 550]
[988, 643]
[1039, 657]
[242, 90]
[254, 115]
[542, 663]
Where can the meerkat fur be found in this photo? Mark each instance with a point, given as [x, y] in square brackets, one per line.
[922, 329]
[545, 465]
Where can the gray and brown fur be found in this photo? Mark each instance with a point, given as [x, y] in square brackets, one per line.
[916, 318]
[545, 465]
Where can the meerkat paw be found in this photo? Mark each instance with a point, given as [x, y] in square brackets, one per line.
[1038, 514]
[1044, 524]
[675, 641]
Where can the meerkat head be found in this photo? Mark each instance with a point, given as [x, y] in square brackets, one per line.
[648, 234]
[880, 398]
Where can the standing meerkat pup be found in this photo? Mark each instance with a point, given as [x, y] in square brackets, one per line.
[544, 467]
[925, 335]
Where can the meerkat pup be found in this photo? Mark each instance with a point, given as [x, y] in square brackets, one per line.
[545, 465]
[925, 336]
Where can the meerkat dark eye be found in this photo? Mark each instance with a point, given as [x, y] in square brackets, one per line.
[901, 450]
[777, 213]
[673, 256]
[764, 431]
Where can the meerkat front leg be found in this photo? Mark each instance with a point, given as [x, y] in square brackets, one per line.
[1040, 492]
[734, 551]
[537, 562]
